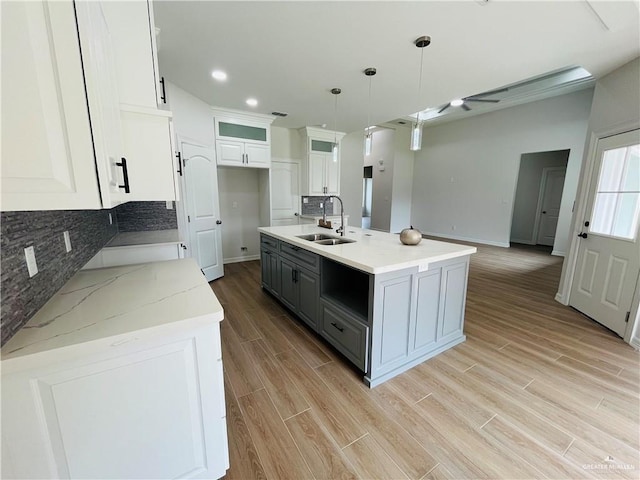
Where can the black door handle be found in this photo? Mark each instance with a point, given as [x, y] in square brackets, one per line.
[544, 211]
[163, 97]
[125, 175]
[337, 327]
[218, 222]
[583, 235]
[179, 155]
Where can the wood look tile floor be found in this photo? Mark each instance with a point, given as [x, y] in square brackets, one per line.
[537, 390]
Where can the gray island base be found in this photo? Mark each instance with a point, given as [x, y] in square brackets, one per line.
[385, 306]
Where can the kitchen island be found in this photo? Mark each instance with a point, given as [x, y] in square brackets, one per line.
[119, 375]
[385, 306]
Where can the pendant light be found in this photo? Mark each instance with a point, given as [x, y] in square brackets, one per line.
[334, 149]
[368, 136]
[416, 129]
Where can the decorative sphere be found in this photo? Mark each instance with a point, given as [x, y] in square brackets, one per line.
[410, 236]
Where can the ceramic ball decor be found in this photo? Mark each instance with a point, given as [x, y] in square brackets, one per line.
[410, 236]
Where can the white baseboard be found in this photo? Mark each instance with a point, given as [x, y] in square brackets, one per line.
[560, 298]
[558, 253]
[246, 258]
[467, 239]
[522, 241]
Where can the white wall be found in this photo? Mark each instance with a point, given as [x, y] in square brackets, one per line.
[402, 181]
[351, 171]
[382, 150]
[240, 211]
[616, 108]
[192, 118]
[465, 175]
[528, 191]
[287, 144]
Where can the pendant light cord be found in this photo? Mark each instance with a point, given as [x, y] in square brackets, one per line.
[335, 120]
[369, 109]
[420, 83]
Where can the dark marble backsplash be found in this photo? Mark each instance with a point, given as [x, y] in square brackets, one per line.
[22, 296]
[312, 207]
[144, 216]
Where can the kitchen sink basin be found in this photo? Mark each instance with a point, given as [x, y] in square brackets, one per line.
[314, 237]
[334, 241]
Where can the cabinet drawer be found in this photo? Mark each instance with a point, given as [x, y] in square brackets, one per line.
[345, 333]
[268, 242]
[302, 257]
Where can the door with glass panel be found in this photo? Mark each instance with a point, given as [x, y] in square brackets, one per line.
[609, 254]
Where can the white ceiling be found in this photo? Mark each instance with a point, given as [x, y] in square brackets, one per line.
[289, 54]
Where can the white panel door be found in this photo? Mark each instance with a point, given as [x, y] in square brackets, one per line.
[203, 209]
[316, 174]
[47, 150]
[285, 193]
[608, 262]
[332, 176]
[552, 185]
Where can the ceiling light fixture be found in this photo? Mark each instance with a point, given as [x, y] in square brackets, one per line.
[252, 102]
[219, 75]
[416, 129]
[368, 135]
[456, 102]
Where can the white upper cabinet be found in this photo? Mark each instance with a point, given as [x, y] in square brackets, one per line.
[242, 139]
[72, 143]
[133, 38]
[47, 150]
[320, 170]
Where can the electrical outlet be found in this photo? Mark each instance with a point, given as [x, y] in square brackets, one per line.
[169, 204]
[453, 227]
[305, 200]
[234, 204]
[321, 206]
[67, 240]
[30, 256]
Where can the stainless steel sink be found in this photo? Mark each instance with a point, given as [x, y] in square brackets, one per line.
[334, 241]
[313, 237]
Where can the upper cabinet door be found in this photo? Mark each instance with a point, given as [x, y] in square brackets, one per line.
[258, 156]
[102, 99]
[133, 41]
[230, 153]
[332, 175]
[47, 150]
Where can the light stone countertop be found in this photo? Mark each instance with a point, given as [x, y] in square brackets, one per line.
[117, 303]
[372, 252]
[155, 237]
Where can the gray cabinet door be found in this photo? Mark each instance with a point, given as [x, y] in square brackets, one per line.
[454, 290]
[274, 271]
[308, 297]
[288, 286]
[265, 266]
[425, 332]
[345, 333]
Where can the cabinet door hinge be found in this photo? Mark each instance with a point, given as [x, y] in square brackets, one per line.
[626, 320]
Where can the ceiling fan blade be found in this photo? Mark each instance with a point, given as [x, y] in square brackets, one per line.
[485, 100]
[465, 107]
[444, 108]
[487, 94]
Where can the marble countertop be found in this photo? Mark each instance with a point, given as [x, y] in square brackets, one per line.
[111, 303]
[372, 252]
[156, 237]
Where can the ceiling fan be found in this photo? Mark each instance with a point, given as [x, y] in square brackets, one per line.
[462, 102]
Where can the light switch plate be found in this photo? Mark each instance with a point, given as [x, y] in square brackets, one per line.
[169, 204]
[67, 241]
[30, 256]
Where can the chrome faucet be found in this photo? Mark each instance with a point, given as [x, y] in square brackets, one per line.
[324, 213]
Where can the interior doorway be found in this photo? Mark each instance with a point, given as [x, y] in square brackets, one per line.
[536, 209]
[367, 196]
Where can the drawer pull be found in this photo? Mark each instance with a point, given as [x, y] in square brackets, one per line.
[340, 329]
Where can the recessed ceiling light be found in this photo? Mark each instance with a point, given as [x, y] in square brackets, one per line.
[252, 102]
[456, 102]
[219, 75]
